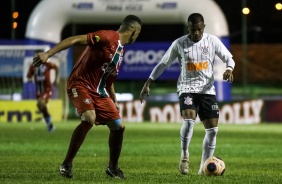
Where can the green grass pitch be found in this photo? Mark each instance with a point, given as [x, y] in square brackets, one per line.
[150, 155]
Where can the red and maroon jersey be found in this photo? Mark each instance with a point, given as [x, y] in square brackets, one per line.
[42, 76]
[98, 66]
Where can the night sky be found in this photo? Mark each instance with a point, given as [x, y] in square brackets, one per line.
[264, 22]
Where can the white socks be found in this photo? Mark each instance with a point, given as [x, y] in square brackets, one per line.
[208, 144]
[186, 133]
[209, 141]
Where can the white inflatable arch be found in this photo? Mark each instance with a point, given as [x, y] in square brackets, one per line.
[50, 16]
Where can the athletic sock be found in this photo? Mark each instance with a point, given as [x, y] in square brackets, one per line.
[46, 116]
[48, 120]
[77, 139]
[209, 144]
[186, 133]
[115, 145]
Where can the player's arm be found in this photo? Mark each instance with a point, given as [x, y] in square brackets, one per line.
[230, 64]
[157, 71]
[167, 59]
[30, 73]
[228, 75]
[145, 90]
[113, 95]
[64, 44]
[224, 54]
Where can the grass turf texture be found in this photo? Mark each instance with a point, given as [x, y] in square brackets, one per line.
[29, 154]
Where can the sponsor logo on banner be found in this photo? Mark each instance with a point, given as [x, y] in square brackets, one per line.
[11, 62]
[140, 59]
[26, 111]
[113, 8]
[246, 112]
[168, 5]
[128, 7]
[87, 6]
[122, 5]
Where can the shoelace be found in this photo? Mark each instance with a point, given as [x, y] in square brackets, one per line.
[184, 166]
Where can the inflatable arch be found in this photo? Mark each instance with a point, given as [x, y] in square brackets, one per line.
[50, 16]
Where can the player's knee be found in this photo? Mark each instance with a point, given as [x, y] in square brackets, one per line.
[117, 125]
[89, 116]
[212, 132]
[189, 114]
[41, 104]
[91, 120]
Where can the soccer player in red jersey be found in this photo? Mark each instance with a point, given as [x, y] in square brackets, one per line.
[43, 87]
[91, 90]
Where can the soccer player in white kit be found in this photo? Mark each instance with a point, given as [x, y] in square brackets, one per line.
[195, 86]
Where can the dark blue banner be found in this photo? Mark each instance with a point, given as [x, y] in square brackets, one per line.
[140, 59]
[11, 62]
[13, 54]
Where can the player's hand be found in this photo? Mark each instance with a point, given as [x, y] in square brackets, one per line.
[145, 91]
[228, 76]
[39, 59]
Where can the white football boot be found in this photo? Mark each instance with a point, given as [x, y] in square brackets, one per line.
[184, 165]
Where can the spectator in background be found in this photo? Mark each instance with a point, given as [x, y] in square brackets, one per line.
[43, 87]
[195, 86]
[91, 89]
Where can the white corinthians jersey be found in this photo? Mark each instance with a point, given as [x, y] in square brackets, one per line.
[196, 61]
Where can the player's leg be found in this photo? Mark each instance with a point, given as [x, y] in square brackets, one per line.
[108, 114]
[82, 101]
[210, 121]
[115, 146]
[42, 101]
[209, 142]
[78, 136]
[188, 111]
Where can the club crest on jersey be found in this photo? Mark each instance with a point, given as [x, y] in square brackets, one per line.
[188, 100]
[87, 101]
[205, 50]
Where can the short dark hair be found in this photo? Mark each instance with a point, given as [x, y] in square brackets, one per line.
[129, 19]
[195, 18]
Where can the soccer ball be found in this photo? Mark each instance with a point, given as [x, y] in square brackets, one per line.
[214, 166]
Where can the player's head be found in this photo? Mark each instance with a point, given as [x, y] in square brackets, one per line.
[131, 24]
[196, 26]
